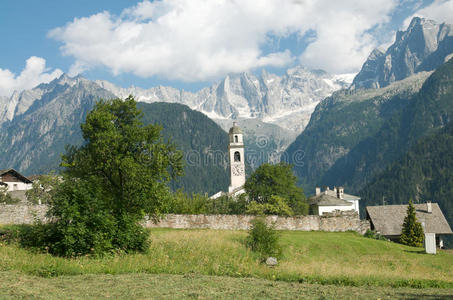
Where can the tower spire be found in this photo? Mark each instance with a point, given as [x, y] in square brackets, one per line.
[237, 158]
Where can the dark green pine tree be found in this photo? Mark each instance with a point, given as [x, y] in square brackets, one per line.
[412, 232]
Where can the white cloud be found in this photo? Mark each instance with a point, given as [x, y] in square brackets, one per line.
[34, 73]
[440, 11]
[205, 39]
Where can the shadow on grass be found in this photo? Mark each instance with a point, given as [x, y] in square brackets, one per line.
[417, 296]
[415, 251]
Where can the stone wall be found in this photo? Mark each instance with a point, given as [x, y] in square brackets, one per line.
[21, 213]
[336, 221]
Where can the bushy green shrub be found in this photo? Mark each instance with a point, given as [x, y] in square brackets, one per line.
[276, 180]
[371, 234]
[275, 206]
[82, 224]
[182, 203]
[42, 189]
[5, 197]
[263, 239]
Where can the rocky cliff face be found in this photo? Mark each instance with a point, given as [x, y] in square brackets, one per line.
[424, 46]
[286, 101]
[38, 123]
[341, 122]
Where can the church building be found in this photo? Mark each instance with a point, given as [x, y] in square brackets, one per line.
[237, 163]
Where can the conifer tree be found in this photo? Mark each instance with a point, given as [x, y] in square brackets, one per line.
[412, 231]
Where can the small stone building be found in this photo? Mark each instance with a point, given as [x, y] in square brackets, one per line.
[328, 201]
[388, 220]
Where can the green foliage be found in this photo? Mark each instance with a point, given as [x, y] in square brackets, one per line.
[110, 183]
[371, 234]
[5, 197]
[340, 258]
[42, 189]
[276, 180]
[182, 203]
[425, 173]
[263, 239]
[275, 206]
[412, 231]
[338, 124]
[202, 141]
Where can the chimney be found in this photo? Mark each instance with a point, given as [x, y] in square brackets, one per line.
[317, 191]
[429, 207]
[340, 192]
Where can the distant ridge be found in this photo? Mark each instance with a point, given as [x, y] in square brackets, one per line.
[424, 46]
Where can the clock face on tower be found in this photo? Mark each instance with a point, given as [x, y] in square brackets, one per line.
[237, 170]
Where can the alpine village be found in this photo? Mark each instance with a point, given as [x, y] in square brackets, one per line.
[293, 184]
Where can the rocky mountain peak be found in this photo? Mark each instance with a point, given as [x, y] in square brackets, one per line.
[423, 46]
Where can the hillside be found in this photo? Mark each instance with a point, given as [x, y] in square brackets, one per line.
[203, 142]
[342, 121]
[431, 109]
[48, 117]
[424, 173]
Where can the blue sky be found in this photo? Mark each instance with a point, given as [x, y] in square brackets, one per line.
[189, 44]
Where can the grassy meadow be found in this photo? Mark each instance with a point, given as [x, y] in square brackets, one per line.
[309, 259]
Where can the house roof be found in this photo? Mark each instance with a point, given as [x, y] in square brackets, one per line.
[347, 197]
[324, 199]
[388, 219]
[16, 174]
[350, 197]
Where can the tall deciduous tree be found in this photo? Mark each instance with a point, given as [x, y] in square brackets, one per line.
[112, 181]
[412, 231]
[278, 180]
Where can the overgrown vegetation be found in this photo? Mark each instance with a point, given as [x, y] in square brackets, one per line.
[412, 231]
[183, 203]
[272, 189]
[42, 189]
[264, 239]
[5, 197]
[108, 185]
[374, 235]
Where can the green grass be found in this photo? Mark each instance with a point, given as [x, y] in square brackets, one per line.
[191, 286]
[342, 259]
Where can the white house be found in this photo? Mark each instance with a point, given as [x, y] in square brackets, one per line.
[14, 180]
[330, 200]
[237, 163]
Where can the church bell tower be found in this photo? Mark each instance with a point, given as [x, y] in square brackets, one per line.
[237, 158]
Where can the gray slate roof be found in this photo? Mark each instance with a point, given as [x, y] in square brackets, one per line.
[327, 200]
[388, 219]
[350, 197]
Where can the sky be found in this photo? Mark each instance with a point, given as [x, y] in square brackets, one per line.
[189, 44]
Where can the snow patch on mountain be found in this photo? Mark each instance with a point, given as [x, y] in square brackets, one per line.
[286, 101]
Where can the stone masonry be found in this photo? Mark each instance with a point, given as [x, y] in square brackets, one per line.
[336, 221]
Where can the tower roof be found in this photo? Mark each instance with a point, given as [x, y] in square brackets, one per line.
[235, 129]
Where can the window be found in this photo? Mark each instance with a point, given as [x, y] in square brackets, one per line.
[15, 187]
[236, 140]
[237, 156]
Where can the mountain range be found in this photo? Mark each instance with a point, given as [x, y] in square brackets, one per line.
[424, 46]
[356, 136]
